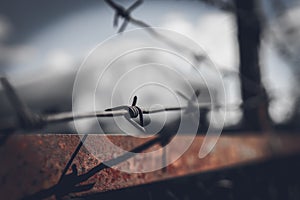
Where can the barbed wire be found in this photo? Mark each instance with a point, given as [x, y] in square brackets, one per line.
[197, 56]
[28, 120]
[121, 12]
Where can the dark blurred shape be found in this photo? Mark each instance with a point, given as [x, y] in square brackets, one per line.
[249, 36]
[268, 180]
[27, 119]
[226, 5]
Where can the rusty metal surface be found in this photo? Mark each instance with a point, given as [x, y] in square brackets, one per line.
[31, 163]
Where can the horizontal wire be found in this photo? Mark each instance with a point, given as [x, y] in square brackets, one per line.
[70, 116]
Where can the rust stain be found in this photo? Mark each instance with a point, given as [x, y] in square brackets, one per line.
[34, 162]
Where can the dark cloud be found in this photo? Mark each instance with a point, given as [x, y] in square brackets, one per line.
[28, 16]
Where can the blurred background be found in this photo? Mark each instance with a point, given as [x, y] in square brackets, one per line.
[252, 46]
[43, 43]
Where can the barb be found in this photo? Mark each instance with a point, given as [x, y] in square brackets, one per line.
[120, 11]
[133, 112]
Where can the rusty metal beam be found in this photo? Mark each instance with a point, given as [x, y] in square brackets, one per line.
[31, 163]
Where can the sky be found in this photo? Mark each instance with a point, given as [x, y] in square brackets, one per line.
[49, 40]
